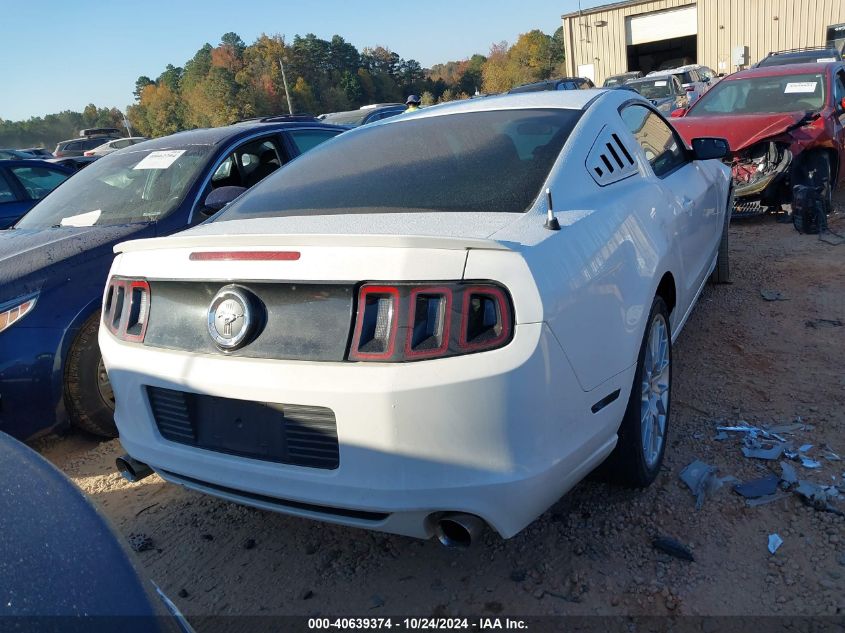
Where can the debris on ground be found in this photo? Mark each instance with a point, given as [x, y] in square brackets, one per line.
[761, 501]
[775, 542]
[756, 450]
[249, 543]
[757, 488]
[788, 473]
[806, 462]
[670, 546]
[702, 481]
[140, 542]
[772, 295]
[818, 497]
[823, 323]
[183, 593]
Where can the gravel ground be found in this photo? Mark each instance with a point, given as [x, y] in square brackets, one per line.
[739, 358]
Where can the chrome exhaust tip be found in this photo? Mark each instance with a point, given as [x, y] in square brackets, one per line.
[458, 530]
[131, 469]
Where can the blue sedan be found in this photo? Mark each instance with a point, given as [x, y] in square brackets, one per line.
[54, 262]
[25, 182]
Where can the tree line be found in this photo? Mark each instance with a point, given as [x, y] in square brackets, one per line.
[233, 81]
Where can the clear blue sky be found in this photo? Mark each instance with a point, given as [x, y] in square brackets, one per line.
[62, 55]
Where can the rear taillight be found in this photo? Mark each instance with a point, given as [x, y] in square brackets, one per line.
[408, 322]
[126, 308]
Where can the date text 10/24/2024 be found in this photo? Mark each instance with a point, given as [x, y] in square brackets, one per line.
[418, 624]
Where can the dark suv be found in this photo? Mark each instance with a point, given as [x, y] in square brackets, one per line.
[54, 262]
[88, 139]
[800, 56]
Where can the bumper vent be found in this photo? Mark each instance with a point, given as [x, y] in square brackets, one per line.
[285, 433]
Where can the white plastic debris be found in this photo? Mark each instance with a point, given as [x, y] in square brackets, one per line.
[775, 542]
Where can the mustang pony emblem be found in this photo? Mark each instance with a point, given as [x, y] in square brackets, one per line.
[230, 318]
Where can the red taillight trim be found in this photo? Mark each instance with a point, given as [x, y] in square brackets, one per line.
[247, 256]
[504, 312]
[116, 284]
[393, 291]
[447, 321]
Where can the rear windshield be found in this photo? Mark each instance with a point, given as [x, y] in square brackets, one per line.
[653, 88]
[353, 117]
[479, 161]
[785, 93]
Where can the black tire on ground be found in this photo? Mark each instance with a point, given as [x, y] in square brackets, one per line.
[627, 464]
[722, 272]
[88, 396]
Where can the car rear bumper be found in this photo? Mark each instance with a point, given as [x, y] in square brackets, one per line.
[500, 434]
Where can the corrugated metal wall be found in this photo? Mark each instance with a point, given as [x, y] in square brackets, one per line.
[762, 25]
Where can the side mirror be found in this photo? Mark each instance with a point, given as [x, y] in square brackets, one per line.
[710, 148]
[220, 197]
[676, 114]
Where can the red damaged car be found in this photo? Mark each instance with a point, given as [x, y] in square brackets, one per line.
[785, 127]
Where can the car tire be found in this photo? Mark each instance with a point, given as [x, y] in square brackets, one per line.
[638, 456]
[88, 395]
[722, 272]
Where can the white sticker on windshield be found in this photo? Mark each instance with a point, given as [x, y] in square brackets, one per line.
[822, 60]
[161, 159]
[800, 86]
[660, 83]
[83, 219]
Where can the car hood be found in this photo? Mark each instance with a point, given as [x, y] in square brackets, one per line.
[740, 130]
[30, 258]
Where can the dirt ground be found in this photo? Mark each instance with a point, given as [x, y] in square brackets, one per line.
[739, 358]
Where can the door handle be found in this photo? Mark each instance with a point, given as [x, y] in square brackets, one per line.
[687, 203]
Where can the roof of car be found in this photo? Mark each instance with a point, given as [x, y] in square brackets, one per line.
[777, 71]
[30, 162]
[563, 99]
[215, 135]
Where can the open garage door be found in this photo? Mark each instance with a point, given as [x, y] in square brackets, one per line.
[662, 39]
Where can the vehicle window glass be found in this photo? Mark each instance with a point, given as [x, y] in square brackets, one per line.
[120, 144]
[38, 181]
[73, 146]
[465, 162]
[839, 89]
[121, 190]
[91, 143]
[658, 88]
[305, 140]
[783, 93]
[257, 160]
[6, 193]
[662, 148]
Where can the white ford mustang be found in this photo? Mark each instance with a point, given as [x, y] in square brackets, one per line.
[428, 324]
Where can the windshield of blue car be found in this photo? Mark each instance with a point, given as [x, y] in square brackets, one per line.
[763, 95]
[653, 88]
[464, 162]
[122, 188]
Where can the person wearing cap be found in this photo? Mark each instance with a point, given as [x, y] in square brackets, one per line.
[413, 103]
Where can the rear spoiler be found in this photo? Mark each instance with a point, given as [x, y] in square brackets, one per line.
[310, 239]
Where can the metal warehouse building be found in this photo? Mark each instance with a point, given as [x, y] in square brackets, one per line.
[725, 35]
